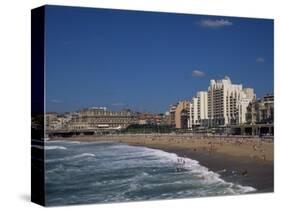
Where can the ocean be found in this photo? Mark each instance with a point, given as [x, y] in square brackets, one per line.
[100, 172]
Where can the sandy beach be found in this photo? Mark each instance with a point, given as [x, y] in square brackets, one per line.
[245, 160]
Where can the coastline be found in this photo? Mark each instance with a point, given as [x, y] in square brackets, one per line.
[246, 161]
[232, 169]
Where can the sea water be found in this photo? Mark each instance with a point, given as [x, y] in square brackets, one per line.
[99, 172]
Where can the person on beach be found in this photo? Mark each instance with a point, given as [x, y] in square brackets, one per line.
[245, 172]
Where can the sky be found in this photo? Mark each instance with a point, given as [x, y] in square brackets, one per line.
[147, 61]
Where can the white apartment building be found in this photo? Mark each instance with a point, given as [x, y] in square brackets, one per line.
[247, 97]
[227, 102]
[198, 110]
[202, 108]
[193, 119]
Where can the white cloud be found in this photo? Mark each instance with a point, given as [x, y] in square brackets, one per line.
[260, 60]
[198, 73]
[214, 24]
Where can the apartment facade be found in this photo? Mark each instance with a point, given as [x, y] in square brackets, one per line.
[261, 111]
[177, 114]
[152, 118]
[202, 108]
[56, 121]
[227, 102]
[193, 111]
[223, 104]
[101, 118]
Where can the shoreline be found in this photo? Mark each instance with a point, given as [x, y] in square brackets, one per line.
[233, 169]
[248, 162]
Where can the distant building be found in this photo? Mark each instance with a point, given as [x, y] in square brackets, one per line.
[162, 119]
[223, 104]
[176, 114]
[261, 111]
[185, 118]
[247, 96]
[55, 121]
[198, 111]
[146, 118]
[167, 119]
[227, 102]
[52, 122]
[152, 118]
[101, 118]
[202, 108]
[194, 113]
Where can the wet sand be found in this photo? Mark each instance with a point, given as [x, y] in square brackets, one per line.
[247, 161]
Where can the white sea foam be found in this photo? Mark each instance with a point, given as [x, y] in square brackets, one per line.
[74, 142]
[71, 157]
[201, 172]
[55, 147]
[84, 155]
[48, 147]
[246, 189]
[131, 173]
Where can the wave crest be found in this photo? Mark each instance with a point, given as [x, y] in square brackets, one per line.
[71, 157]
[48, 147]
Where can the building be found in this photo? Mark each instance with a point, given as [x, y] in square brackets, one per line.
[222, 105]
[192, 120]
[247, 96]
[145, 118]
[56, 121]
[197, 114]
[227, 102]
[52, 121]
[202, 108]
[153, 118]
[162, 118]
[261, 111]
[101, 118]
[177, 112]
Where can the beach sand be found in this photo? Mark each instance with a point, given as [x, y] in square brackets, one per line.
[247, 161]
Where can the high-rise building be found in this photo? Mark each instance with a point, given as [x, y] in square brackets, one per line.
[198, 111]
[193, 118]
[202, 108]
[227, 102]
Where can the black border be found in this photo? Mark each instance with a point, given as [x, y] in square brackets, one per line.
[37, 105]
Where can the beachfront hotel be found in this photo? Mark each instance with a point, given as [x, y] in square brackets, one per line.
[198, 110]
[261, 111]
[97, 118]
[227, 102]
[94, 118]
[223, 104]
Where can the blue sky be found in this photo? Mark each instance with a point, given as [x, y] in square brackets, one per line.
[147, 61]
